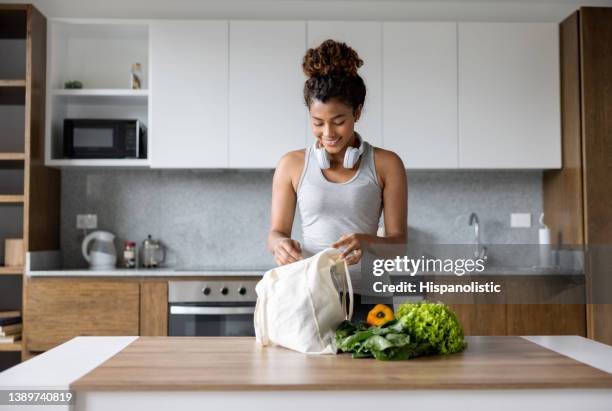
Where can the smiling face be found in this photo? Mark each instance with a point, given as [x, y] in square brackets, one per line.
[333, 125]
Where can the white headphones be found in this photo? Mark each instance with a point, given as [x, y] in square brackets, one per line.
[351, 156]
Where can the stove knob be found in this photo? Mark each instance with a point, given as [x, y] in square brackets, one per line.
[242, 291]
[206, 290]
[224, 291]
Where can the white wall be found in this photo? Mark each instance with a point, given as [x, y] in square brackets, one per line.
[409, 10]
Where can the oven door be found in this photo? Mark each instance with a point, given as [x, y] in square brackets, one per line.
[215, 319]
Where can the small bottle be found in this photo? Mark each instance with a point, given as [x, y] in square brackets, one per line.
[136, 77]
[544, 244]
[129, 254]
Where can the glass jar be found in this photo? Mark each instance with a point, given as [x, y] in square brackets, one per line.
[129, 254]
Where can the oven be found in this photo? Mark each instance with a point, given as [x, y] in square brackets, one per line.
[211, 308]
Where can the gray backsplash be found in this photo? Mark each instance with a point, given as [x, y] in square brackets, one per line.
[220, 218]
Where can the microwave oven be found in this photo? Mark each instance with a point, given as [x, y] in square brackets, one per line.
[104, 138]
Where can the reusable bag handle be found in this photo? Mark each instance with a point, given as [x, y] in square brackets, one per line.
[347, 281]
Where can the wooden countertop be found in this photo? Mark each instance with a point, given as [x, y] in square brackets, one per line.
[240, 364]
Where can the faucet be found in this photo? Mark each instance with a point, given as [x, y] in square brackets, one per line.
[481, 251]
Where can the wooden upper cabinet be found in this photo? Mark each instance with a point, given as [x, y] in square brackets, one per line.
[509, 97]
[60, 309]
[420, 93]
[188, 96]
[365, 38]
[266, 109]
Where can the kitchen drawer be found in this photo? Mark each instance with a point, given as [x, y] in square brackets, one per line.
[60, 309]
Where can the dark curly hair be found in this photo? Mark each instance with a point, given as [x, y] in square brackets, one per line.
[332, 73]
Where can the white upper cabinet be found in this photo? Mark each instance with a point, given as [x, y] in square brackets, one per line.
[420, 93]
[509, 106]
[188, 96]
[266, 109]
[365, 38]
[229, 94]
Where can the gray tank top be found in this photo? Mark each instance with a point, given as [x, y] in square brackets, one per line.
[329, 210]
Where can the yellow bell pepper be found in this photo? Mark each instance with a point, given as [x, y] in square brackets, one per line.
[379, 315]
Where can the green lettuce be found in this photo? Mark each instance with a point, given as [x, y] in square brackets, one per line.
[434, 324]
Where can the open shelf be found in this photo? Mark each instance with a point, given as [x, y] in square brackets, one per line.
[12, 119]
[13, 35]
[12, 156]
[11, 198]
[12, 83]
[100, 55]
[10, 270]
[11, 94]
[101, 96]
[23, 51]
[113, 92]
[16, 346]
[95, 162]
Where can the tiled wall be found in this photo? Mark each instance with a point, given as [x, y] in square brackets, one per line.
[220, 218]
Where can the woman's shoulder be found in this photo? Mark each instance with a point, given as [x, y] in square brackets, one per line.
[291, 164]
[387, 157]
[292, 159]
[386, 162]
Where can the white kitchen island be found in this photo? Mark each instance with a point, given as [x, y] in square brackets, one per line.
[233, 373]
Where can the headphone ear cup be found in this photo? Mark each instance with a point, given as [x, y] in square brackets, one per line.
[350, 157]
[322, 158]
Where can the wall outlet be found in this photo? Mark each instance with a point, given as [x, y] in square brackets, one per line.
[520, 220]
[87, 221]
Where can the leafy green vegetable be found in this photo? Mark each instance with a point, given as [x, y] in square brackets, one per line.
[388, 342]
[434, 324]
[419, 329]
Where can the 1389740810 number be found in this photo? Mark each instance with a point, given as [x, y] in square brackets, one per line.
[36, 397]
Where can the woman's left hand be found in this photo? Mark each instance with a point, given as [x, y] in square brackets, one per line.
[352, 247]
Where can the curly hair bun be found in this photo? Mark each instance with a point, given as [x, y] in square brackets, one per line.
[331, 58]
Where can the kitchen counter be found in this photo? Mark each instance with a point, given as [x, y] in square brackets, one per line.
[228, 272]
[494, 372]
[48, 264]
[148, 272]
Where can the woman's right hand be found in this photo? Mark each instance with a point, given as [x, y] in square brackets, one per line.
[287, 251]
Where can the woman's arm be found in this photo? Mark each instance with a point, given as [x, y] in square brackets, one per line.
[395, 197]
[280, 244]
[392, 175]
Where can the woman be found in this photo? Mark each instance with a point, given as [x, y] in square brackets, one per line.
[341, 183]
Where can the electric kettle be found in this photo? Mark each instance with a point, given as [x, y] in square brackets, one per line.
[102, 254]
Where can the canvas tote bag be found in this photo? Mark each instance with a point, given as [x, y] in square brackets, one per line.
[298, 304]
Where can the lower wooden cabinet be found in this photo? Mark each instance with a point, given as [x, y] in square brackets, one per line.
[154, 308]
[481, 319]
[546, 319]
[57, 310]
[510, 313]
[522, 319]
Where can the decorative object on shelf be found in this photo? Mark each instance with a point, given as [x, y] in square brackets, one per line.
[136, 77]
[73, 84]
[129, 254]
[102, 255]
[13, 252]
[153, 253]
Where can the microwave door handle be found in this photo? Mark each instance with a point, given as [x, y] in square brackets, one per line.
[191, 310]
